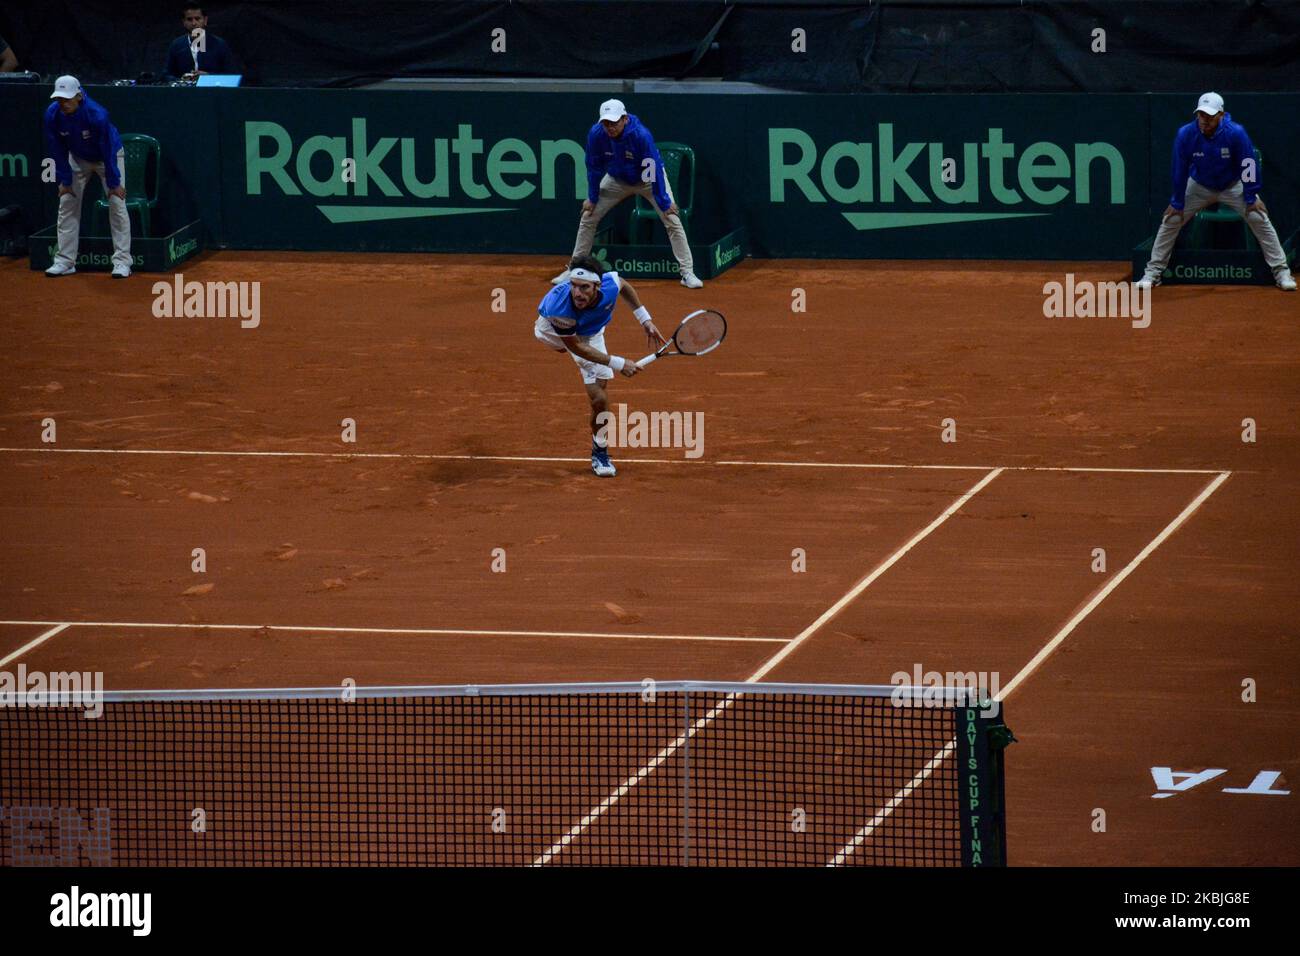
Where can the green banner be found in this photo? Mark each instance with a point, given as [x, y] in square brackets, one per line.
[873, 176]
[657, 262]
[95, 253]
[950, 176]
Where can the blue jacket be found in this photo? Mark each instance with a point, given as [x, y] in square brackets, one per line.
[1215, 163]
[87, 134]
[622, 158]
[215, 59]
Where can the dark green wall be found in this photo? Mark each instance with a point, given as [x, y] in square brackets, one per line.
[1055, 176]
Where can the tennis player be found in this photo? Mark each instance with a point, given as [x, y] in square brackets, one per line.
[572, 317]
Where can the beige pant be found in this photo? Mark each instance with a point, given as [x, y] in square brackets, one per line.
[1197, 198]
[69, 223]
[614, 191]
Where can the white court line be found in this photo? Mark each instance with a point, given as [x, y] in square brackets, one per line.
[416, 456]
[831, 464]
[946, 751]
[597, 811]
[408, 630]
[870, 579]
[883, 813]
[34, 643]
[1112, 584]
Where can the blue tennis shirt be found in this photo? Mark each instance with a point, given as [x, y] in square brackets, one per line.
[557, 307]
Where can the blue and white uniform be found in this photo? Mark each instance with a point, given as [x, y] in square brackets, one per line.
[1215, 169]
[557, 316]
[82, 144]
[627, 159]
[89, 135]
[621, 166]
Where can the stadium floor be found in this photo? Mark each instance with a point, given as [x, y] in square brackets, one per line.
[329, 564]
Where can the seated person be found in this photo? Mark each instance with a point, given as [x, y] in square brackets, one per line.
[8, 62]
[198, 51]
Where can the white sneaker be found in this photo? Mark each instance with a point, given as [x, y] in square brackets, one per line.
[121, 272]
[60, 269]
[691, 281]
[1147, 282]
[562, 277]
[1285, 281]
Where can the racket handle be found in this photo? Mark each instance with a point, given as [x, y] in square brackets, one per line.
[646, 361]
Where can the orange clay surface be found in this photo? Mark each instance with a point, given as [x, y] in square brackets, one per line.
[640, 576]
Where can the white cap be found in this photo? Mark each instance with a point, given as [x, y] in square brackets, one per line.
[1210, 104]
[65, 88]
[612, 110]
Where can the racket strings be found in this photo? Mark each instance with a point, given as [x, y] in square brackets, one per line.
[700, 333]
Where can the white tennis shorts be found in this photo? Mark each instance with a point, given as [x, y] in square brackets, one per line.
[591, 371]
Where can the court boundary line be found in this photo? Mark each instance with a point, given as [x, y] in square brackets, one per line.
[421, 456]
[1034, 663]
[420, 631]
[596, 812]
[59, 628]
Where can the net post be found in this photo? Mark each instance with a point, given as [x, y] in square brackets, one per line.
[982, 739]
[686, 778]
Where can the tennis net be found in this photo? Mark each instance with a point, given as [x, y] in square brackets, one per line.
[670, 774]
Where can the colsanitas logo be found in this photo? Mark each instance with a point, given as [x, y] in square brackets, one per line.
[1210, 272]
[175, 251]
[97, 258]
[993, 171]
[647, 267]
[404, 168]
[723, 256]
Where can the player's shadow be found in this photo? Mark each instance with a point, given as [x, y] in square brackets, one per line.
[457, 471]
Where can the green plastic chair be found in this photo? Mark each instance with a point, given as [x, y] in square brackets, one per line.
[679, 166]
[1208, 221]
[138, 150]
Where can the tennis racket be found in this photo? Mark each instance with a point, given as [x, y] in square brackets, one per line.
[700, 333]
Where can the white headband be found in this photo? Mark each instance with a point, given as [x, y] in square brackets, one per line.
[586, 275]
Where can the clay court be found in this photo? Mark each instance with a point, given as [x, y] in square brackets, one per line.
[372, 561]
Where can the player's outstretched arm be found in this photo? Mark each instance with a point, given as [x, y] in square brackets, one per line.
[652, 334]
[628, 293]
[592, 354]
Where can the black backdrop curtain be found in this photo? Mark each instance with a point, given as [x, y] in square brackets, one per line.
[889, 46]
